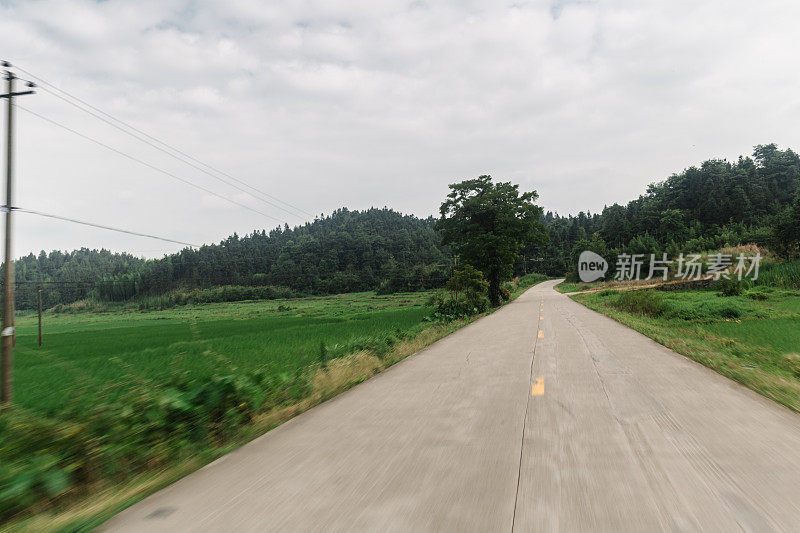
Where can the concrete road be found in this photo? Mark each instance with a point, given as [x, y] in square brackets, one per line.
[543, 416]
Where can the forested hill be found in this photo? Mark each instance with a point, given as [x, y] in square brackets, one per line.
[346, 251]
[719, 203]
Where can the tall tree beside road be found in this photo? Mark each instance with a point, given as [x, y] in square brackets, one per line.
[788, 229]
[488, 224]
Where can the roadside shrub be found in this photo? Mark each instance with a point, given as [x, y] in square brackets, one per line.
[39, 460]
[46, 460]
[465, 296]
[642, 302]
[467, 281]
[729, 286]
[448, 307]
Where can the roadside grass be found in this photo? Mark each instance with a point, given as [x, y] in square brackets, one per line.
[519, 285]
[754, 340]
[565, 287]
[135, 400]
[569, 287]
[784, 275]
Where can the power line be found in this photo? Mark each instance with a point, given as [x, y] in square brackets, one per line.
[67, 282]
[145, 163]
[45, 84]
[101, 226]
[197, 167]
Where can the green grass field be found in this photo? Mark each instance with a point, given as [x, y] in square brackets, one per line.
[88, 354]
[753, 338]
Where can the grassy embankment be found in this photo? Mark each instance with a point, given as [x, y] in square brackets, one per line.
[118, 404]
[568, 287]
[753, 337]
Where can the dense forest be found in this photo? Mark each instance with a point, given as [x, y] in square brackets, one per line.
[752, 200]
[376, 249]
[719, 203]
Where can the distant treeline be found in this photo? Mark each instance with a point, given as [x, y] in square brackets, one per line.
[376, 249]
[720, 203]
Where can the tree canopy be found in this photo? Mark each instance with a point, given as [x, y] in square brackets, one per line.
[488, 224]
[718, 203]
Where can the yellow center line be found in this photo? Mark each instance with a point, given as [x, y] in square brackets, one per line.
[538, 387]
[541, 334]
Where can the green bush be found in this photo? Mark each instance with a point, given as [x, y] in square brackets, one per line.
[448, 307]
[44, 460]
[729, 286]
[40, 459]
[465, 296]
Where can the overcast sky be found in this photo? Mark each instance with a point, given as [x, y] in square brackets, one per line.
[382, 103]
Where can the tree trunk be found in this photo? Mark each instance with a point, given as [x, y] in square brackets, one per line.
[494, 289]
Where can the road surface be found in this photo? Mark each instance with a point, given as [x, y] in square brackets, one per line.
[544, 416]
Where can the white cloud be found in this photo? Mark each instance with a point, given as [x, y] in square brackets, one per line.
[327, 104]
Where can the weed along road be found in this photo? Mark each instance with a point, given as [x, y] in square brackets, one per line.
[542, 416]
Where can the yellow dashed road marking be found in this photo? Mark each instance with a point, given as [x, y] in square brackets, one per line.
[538, 388]
[541, 334]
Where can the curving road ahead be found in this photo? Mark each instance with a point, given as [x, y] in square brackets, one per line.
[544, 416]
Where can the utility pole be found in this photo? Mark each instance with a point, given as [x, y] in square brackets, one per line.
[7, 333]
[39, 301]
